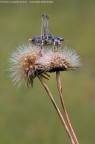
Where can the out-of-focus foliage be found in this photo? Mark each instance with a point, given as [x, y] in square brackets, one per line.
[26, 114]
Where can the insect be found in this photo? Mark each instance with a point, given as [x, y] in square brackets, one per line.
[46, 38]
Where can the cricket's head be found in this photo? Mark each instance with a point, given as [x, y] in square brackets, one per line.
[36, 40]
[33, 40]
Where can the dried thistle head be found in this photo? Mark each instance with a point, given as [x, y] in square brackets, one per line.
[63, 60]
[29, 61]
[22, 64]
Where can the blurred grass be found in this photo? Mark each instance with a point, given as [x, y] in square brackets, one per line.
[26, 115]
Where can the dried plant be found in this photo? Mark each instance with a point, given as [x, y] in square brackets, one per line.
[29, 61]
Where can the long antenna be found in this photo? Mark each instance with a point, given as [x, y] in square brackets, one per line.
[46, 31]
[42, 25]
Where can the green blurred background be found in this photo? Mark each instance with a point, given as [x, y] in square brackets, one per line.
[26, 114]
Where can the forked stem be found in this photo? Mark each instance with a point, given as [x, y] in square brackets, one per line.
[56, 107]
[64, 108]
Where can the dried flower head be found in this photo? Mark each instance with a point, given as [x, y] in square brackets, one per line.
[29, 61]
[63, 60]
[22, 64]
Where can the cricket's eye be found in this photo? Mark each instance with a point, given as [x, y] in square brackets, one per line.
[33, 40]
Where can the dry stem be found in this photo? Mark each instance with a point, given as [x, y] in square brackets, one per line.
[64, 108]
[56, 107]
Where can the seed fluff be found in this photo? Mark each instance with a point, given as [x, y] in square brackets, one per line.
[63, 60]
[22, 64]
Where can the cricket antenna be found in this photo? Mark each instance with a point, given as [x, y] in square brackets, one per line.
[42, 24]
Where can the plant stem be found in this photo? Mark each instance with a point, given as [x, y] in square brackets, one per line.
[64, 108]
[56, 107]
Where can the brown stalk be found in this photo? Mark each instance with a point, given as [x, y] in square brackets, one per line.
[64, 108]
[56, 107]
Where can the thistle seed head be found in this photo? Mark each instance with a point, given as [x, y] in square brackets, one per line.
[22, 64]
[59, 61]
[29, 61]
